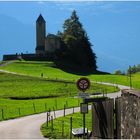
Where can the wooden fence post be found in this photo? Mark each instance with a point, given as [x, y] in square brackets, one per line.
[49, 115]
[47, 118]
[70, 127]
[52, 123]
[73, 110]
[54, 112]
[64, 110]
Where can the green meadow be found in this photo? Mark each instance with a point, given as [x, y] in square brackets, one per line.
[35, 68]
[50, 71]
[27, 92]
[22, 95]
[77, 122]
[10, 108]
[26, 87]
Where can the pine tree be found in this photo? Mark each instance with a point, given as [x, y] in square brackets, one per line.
[78, 46]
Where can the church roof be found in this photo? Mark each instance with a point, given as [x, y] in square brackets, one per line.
[40, 18]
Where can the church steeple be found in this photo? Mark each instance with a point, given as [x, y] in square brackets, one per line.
[40, 19]
[40, 35]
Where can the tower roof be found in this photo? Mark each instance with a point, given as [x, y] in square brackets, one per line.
[40, 18]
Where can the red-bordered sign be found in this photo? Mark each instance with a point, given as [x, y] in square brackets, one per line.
[83, 84]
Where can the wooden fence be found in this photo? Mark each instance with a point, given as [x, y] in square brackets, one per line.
[103, 119]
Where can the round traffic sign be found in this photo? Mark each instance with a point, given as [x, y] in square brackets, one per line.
[83, 84]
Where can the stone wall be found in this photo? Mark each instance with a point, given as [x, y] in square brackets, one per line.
[29, 57]
[52, 43]
[130, 114]
[10, 57]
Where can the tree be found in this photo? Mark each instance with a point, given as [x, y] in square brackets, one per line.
[133, 69]
[118, 72]
[78, 47]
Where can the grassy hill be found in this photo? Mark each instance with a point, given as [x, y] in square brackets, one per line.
[26, 87]
[27, 92]
[30, 93]
[50, 71]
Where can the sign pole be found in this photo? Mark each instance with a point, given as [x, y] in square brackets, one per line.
[83, 84]
[84, 125]
[84, 121]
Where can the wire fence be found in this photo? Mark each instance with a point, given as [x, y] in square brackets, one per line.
[9, 112]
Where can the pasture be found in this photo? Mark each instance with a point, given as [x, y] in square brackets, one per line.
[25, 95]
[50, 71]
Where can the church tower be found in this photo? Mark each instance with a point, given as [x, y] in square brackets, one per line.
[40, 35]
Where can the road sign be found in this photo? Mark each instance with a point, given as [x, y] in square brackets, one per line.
[83, 108]
[83, 84]
[83, 95]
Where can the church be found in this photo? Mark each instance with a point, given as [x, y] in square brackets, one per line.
[45, 45]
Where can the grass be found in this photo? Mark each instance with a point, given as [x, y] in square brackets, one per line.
[50, 71]
[17, 108]
[15, 86]
[25, 95]
[36, 68]
[57, 123]
[25, 87]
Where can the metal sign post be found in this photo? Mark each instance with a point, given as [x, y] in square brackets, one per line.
[84, 110]
[83, 84]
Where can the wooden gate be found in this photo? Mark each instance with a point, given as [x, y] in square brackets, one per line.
[103, 119]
